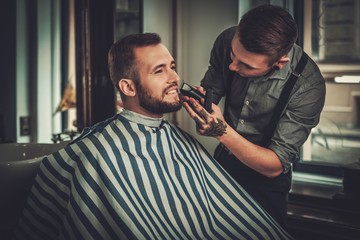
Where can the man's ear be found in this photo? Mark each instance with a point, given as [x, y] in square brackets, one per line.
[282, 62]
[127, 86]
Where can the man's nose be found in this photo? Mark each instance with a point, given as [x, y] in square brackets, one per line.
[233, 67]
[174, 77]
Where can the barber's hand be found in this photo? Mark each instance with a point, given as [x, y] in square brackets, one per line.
[207, 124]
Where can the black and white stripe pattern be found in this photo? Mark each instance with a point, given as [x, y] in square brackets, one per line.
[127, 180]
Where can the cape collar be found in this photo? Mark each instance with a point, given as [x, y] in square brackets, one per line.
[142, 119]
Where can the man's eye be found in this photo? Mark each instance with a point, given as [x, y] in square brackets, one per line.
[158, 71]
[248, 67]
[173, 68]
[245, 65]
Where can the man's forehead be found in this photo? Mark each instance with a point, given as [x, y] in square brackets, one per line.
[153, 55]
[253, 60]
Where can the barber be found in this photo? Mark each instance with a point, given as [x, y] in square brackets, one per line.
[250, 65]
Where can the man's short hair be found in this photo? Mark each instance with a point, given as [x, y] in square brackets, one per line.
[269, 30]
[121, 57]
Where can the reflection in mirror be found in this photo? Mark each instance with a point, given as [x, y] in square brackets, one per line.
[335, 30]
[332, 36]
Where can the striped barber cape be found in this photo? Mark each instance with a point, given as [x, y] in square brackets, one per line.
[135, 177]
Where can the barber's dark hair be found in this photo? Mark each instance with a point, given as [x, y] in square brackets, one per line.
[121, 56]
[269, 30]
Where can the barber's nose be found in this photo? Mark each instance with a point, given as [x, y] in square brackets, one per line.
[233, 67]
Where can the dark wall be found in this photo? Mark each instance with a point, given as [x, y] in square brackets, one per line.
[94, 36]
[8, 72]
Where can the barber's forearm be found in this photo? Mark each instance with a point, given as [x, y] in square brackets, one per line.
[262, 160]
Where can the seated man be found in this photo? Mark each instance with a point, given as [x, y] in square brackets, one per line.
[137, 176]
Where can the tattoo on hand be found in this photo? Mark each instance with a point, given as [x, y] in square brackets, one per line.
[217, 128]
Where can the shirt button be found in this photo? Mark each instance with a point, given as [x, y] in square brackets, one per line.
[247, 103]
[242, 121]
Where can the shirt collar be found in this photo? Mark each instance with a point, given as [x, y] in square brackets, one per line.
[141, 119]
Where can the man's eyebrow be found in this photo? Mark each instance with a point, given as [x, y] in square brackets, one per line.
[173, 62]
[156, 67]
[247, 65]
[162, 65]
[159, 66]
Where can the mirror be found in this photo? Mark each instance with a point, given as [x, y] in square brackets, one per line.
[332, 37]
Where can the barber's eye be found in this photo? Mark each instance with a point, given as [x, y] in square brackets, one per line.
[249, 67]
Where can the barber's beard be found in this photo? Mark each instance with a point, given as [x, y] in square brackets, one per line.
[155, 105]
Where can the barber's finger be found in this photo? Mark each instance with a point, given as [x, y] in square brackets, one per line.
[184, 98]
[190, 111]
[201, 89]
[201, 125]
[200, 110]
[193, 114]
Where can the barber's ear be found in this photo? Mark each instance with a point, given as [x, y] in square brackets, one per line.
[127, 86]
[282, 62]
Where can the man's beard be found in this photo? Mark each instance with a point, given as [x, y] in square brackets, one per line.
[154, 105]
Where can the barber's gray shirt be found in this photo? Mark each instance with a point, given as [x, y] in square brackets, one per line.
[302, 111]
